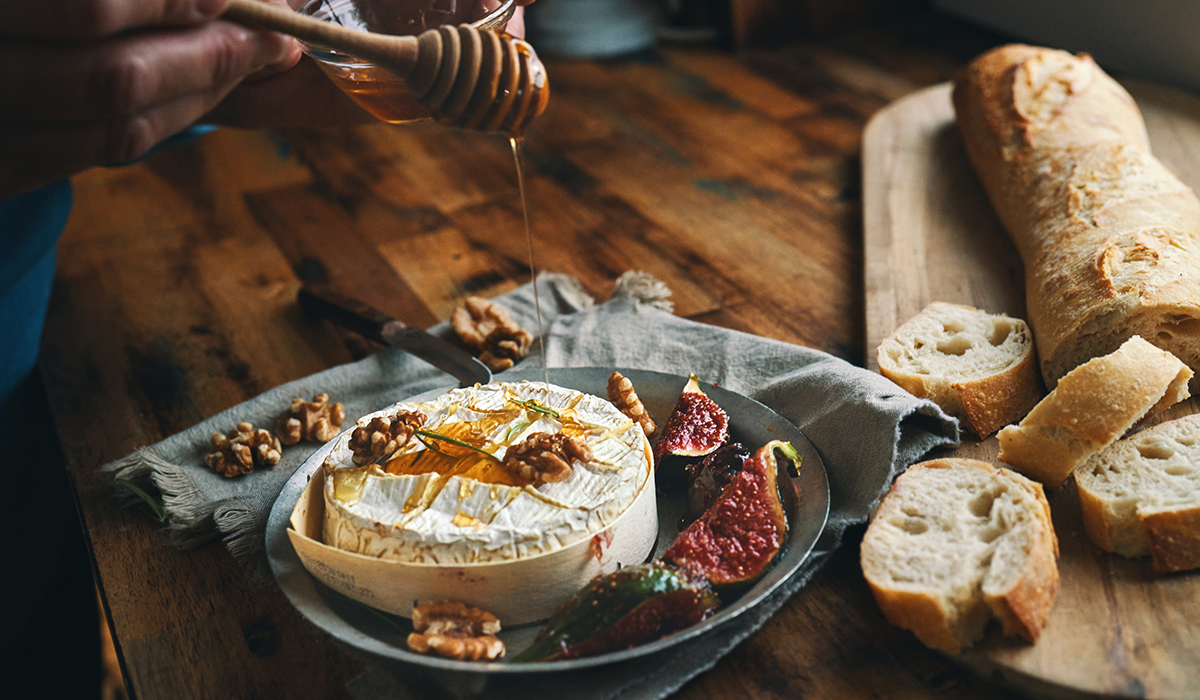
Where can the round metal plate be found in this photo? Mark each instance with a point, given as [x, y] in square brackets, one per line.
[378, 634]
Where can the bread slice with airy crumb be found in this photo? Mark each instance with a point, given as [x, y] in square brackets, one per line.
[957, 542]
[1091, 408]
[1141, 496]
[979, 367]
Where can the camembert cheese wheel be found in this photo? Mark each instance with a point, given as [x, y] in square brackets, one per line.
[441, 500]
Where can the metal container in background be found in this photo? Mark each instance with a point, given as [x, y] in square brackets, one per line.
[592, 28]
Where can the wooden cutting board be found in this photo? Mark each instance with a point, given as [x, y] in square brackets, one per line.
[1116, 629]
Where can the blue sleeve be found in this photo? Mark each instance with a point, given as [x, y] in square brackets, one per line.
[30, 226]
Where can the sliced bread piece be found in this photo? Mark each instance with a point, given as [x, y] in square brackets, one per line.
[1091, 408]
[979, 367]
[957, 542]
[1141, 496]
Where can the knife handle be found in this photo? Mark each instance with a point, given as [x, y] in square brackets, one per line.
[352, 314]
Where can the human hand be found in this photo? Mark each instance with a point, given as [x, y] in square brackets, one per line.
[95, 82]
[103, 83]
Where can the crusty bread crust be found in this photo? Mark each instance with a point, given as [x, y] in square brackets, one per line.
[944, 555]
[955, 356]
[1024, 609]
[994, 402]
[1110, 240]
[1109, 525]
[1092, 407]
[929, 618]
[1174, 539]
[1141, 496]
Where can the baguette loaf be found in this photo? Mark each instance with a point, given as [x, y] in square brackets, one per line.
[979, 367]
[1091, 408]
[957, 542]
[1109, 239]
[1141, 496]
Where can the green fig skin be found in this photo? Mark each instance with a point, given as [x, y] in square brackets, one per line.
[737, 540]
[632, 606]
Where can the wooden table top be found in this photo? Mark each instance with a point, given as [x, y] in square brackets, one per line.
[734, 179]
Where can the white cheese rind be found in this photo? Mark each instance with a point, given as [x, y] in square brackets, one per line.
[457, 520]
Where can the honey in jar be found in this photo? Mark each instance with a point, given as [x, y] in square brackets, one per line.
[376, 90]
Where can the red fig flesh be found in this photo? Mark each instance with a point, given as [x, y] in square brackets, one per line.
[697, 427]
[737, 540]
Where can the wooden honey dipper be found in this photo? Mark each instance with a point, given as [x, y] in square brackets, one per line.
[465, 77]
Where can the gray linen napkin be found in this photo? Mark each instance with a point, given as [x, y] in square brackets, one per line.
[202, 506]
[866, 429]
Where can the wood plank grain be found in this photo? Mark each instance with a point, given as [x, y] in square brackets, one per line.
[929, 234]
[171, 291]
[729, 180]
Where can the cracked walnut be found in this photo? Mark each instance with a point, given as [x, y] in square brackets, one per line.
[383, 436]
[315, 421]
[452, 630]
[242, 450]
[623, 396]
[492, 332]
[545, 457]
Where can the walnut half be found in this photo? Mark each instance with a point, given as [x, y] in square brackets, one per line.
[383, 436]
[242, 450]
[623, 396]
[488, 328]
[452, 630]
[545, 457]
[315, 421]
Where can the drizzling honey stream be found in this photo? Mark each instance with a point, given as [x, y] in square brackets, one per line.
[537, 300]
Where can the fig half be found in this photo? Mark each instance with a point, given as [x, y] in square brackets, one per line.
[696, 428]
[739, 538]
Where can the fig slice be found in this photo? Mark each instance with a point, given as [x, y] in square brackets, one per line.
[632, 606]
[741, 535]
[696, 428]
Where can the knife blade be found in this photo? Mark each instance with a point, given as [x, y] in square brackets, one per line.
[376, 325]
